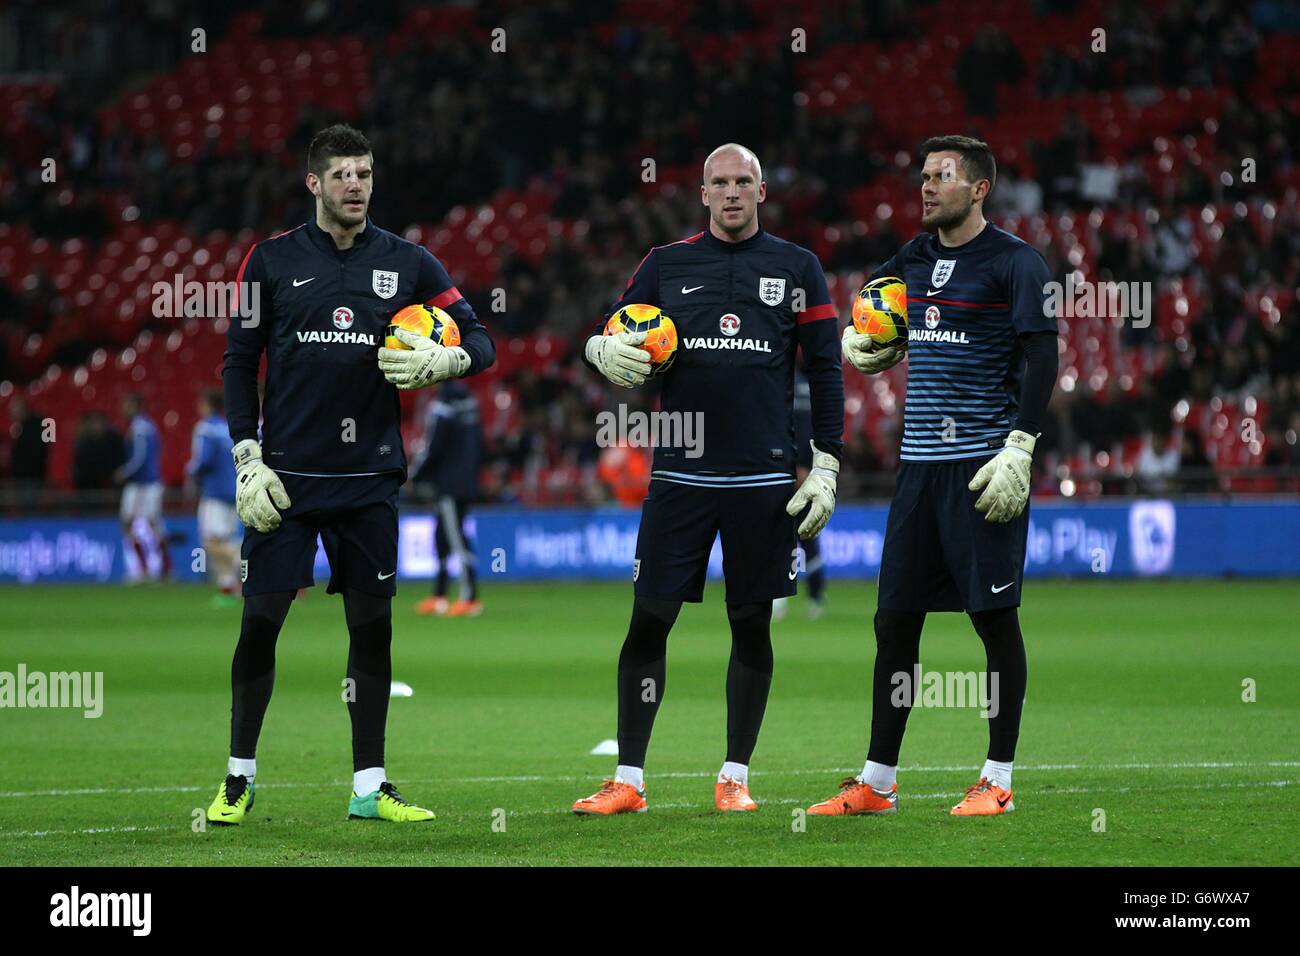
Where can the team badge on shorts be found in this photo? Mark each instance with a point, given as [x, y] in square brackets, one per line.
[384, 283]
[243, 572]
[771, 291]
[636, 569]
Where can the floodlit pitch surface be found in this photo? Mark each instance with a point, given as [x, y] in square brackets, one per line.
[1137, 746]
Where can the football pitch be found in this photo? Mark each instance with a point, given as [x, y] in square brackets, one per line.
[1137, 746]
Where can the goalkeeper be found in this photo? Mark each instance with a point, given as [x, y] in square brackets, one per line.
[745, 303]
[981, 358]
[331, 459]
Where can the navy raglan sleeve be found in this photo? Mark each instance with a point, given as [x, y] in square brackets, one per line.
[245, 342]
[1026, 279]
[1026, 282]
[642, 288]
[817, 330]
[434, 287]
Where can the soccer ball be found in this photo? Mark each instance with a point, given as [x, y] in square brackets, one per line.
[880, 311]
[661, 334]
[427, 320]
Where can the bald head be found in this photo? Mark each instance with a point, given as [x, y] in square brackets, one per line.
[732, 189]
[742, 155]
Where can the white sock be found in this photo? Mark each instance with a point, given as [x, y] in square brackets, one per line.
[738, 772]
[878, 776]
[999, 774]
[367, 781]
[629, 775]
[241, 766]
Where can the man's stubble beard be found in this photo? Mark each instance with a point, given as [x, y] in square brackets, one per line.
[951, 221]
[334, 215]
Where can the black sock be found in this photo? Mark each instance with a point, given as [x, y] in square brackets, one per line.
[898, 651]
[1005, 648]
[642, 669]
[252, 672]
[370, 668]
[749, 676]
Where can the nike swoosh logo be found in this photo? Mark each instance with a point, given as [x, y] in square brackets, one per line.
[686, 291]
[935, 292]
[296, 283]
[792, 575]
[385, 577]
[999, 590]
[1003, 803]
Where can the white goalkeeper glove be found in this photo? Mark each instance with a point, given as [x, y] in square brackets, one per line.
[861, 352]
[1006, 476]
[817, 490]
[258, 490]
[619, 359]
[425, 363]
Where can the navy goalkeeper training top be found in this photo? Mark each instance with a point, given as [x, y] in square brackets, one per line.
[321, 316]
[742, 310]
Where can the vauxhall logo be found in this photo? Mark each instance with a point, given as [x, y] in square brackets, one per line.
[343, 319]
[342, 338]
[932, 332]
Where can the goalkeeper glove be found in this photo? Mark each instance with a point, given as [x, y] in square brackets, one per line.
[619, 359]
[425, 363]
[1006, 476]
[860, 352]
[817, 490]
[258, 490]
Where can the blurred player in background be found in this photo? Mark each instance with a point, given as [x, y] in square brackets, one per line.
[448, 468]
[744, 303]
[323, 295]
[147, 555]
[211, 467]
[982, 362]
[812, 552]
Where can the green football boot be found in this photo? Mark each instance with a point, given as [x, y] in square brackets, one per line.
[233, 801]
[386, 804]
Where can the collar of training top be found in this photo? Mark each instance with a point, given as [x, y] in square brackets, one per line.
[717, 243]
[326, 242]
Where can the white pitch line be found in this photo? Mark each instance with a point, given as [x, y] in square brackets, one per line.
[783, 802]
[683, 774]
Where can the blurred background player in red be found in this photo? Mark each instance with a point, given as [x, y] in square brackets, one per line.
[448, 468]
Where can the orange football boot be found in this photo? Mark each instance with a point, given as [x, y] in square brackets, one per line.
[855, 798]
[985, 799]
[611, 798]
[465, 609]
[432, 605]
[730, 794]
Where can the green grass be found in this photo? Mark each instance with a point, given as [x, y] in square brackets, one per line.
[1134, 692]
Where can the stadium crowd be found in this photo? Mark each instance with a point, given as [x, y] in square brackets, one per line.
[577, 113]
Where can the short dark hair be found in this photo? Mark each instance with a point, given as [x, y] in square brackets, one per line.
[976, 156]
[337, 140]
[215, 400]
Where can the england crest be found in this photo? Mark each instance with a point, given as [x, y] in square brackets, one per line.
[771, 291]
[384, 283]
[942, 272]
